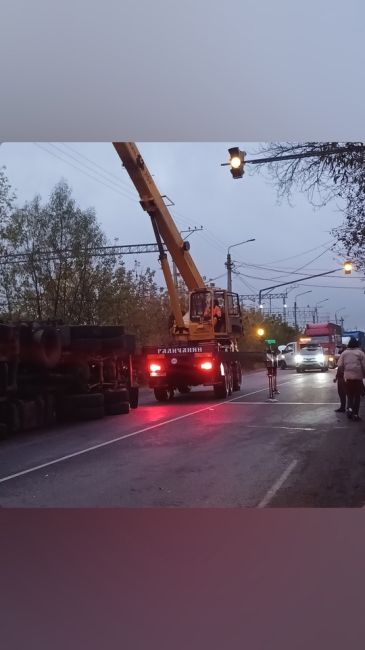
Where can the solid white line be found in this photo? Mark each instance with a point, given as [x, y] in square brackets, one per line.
[269, 426]
[114, 440]
[278, 402]
[274, 489]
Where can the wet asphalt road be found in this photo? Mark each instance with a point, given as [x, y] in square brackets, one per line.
[196, 451]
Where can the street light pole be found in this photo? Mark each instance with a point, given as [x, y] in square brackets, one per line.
[307, 277]
[295, 306]
[229, 263]
[315, 312]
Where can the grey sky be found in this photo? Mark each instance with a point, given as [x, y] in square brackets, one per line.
[204, 194]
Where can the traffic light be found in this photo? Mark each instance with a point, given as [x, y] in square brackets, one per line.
[236, 161]
[347, 267]
[260, 332]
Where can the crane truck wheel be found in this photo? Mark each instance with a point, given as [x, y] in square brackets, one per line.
[161, 394]
[230, 380]
[221, 390]
[184, 390]
[237, 378]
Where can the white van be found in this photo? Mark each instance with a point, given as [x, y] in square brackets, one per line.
[288, 355]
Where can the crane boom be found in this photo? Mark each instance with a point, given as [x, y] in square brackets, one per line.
[152, 201]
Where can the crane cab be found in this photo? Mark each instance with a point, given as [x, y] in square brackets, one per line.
[214, 314]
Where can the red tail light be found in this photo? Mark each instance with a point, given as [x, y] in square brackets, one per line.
[206, 365]
[155, 367]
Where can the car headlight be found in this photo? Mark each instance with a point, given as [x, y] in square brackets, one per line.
[320, 358]
[298, 358]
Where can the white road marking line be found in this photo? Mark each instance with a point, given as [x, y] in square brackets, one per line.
[296, 403]
[274, 489]
[114, 440]
[269, 426]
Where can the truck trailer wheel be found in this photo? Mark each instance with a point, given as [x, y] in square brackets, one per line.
[89, 413]
[116, 395]
[81, 407]
[117, 408]
[133, 397]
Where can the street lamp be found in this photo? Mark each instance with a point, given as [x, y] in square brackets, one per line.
[295, 305]
[229, 264]
[315, 312]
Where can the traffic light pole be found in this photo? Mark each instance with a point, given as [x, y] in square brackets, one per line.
[283, 284]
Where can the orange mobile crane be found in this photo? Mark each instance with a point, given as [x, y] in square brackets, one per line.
[203, 349]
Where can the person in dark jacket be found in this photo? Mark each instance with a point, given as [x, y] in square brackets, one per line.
[341, 386]
[352, 361]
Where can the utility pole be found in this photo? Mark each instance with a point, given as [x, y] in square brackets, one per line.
[229, 271]
[229, 263]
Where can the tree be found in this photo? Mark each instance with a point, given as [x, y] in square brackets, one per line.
[275, 328]
[57, 276]
[7, 276]
[324, 172]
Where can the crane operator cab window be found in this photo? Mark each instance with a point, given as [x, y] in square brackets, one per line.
[201, 306]
[208, 307]
[219, 312]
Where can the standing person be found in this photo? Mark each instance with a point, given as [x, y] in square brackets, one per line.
[352, 361]
[341, 385]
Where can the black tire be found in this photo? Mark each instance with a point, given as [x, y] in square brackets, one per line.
[12, 418]
[230, 380]
[117, 408]
[237, 378]
[116, 395]
[299, 370]
[88, 413]
[3, 431]
[7, 333]
[133, 397]
[4, 377]
[50, 409]
[184, 390]
[41, 411]
[28, 414]
[161, 394]
[83, 400]
[221, 390]
[46, 347]
[283, 365]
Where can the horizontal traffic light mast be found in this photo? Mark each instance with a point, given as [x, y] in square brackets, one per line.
[237, 159]
[347, 267]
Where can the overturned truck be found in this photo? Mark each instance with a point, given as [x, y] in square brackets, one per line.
[53, 372]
